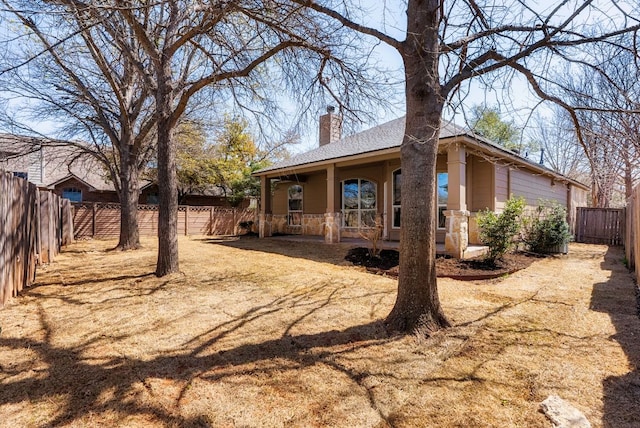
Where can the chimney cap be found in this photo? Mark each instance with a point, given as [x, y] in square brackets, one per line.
[331, 109]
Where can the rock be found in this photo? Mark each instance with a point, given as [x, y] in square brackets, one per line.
[562, 414]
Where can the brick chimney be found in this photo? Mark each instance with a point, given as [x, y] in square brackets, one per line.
[330, 127]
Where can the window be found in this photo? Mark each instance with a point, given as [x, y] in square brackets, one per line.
[19, 174]
[152, 198]
[295, 205]
[395, 206]
[443, 197]
[72, 193]
[358, 203]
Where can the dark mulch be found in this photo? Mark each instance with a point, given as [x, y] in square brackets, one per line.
[386, 263]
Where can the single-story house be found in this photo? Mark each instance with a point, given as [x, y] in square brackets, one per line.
[348, 185]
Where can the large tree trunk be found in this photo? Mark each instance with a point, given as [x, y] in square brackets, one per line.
[167, 182]
[417, 307]
[129, 192]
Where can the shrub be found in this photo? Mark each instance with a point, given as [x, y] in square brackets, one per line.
[546, 228]
[497, 231]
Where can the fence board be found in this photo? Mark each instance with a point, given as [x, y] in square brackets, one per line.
[600, 226]
[30, 222]
[96, 220]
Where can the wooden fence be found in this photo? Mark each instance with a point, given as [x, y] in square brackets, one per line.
[99, 220]
[600, 225]
[632, 243]
[33, 227]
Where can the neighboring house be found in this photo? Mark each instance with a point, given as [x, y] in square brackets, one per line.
[65, 169]
[213, 196]
[346, 186]
[74, 174]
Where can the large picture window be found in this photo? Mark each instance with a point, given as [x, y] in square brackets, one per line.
[358, 203]
[443, 197]
[295, 205]
[396, 204]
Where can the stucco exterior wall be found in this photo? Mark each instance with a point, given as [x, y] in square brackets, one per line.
[314, 194]
[480, 184]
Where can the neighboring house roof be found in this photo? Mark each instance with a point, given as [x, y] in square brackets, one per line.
[214, 191]
[49, 163]
[389, 136]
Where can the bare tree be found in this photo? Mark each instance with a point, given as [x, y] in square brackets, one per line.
[448, 43]
[610, 120]
[559, 148]
[186, 52]
[66, 68]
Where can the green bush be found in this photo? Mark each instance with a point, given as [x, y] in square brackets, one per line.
[497, 231]
[546, 228]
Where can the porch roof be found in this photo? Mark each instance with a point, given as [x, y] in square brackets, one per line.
[389, 136]
[386, 136]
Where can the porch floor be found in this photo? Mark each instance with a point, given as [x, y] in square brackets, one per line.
[471, 252]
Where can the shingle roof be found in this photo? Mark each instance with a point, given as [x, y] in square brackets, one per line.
[385, 136]
[50, 163]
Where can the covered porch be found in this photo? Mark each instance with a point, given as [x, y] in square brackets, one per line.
[355, 198]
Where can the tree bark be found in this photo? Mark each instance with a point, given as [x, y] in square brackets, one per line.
[417, 307]
[129, 192]
[167, 179]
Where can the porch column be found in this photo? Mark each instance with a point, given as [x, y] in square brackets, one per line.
[332, 219]
[456, 239]
[264, 227]
[456, 169]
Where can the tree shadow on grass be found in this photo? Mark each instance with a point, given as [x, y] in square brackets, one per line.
[113, 384]
[618, 298]
[314, 250]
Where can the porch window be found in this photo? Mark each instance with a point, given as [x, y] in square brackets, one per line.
[295, 205]
[443, 197]
[395, 207]
[72, 193]
[358, 203]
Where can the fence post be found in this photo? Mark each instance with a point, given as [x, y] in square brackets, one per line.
[211, 221]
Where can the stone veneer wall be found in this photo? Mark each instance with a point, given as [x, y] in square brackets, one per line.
[312, 224]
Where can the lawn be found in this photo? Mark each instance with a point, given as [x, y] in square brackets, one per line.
[274, 333]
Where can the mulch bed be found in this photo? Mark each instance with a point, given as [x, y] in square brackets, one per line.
[386, 263]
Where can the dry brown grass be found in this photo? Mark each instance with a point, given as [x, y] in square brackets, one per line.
[274, 333]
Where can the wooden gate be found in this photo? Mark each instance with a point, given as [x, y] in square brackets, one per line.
[600, 226]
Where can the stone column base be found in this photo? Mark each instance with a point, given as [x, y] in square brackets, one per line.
[332, 228]
[456, 239]
[264, 228]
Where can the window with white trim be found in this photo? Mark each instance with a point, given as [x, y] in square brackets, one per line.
[358, 203]
[294, 196]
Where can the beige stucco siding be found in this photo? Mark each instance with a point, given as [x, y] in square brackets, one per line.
[279, 201]
[314, 194]
[535, 187]
[480, 183]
